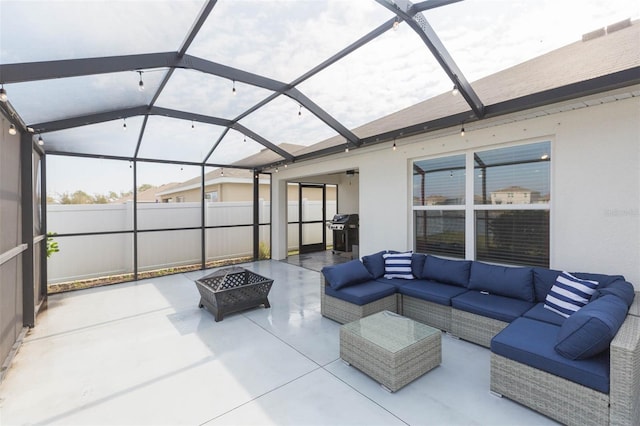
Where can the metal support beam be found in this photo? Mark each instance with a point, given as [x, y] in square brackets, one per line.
[142, 129]
[69, 123]
[230, 73]
[429, 4]
[44, 272]
[215, 145]
[165, 112]
[203, 215]
[102, 117]
[46, 70]
[195, 28]
[135, 220]
[256, 215]
[307, 103]
[417, 22]
[26, 206]
[193, 32]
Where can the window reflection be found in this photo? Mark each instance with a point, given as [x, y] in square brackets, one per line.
[514, 175]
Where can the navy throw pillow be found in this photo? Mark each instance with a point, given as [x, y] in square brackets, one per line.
[502, 280]
[569, 294]
[398, 265]
[375, 264]
[591, 329]
[455, 272]
[346, 274]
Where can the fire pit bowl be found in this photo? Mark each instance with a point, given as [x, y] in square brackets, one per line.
[231, 290]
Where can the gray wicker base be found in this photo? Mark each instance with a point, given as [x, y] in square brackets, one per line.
[554, 396]
[433, 314]
[395, 365]
[635, 307]
[475, 328]
[343, 312]
[625, 373]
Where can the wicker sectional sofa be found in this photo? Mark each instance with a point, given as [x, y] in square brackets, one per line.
[583, 369]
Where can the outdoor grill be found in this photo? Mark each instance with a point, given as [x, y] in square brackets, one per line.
[345, 231]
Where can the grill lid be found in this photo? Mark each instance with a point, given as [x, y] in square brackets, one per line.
[351, 219]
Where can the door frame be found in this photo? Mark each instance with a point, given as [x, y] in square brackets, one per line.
[310, 248]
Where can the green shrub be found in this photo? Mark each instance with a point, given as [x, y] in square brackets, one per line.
[264, 252]
[52, 245]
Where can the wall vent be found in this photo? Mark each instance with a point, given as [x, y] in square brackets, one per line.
[594, 34]
[619, 26]
[607, 30]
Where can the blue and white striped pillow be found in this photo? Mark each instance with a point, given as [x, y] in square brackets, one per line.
[569, 294]
[397, 265]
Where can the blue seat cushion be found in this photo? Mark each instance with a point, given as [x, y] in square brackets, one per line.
[374, 263]
[493, 306]
[532, 343]
[590, 331]
[502, 280]
[396, 282]
[363, 293]
[540, 313]
[432, 291]
[620, 288]
[455, 272]
[346, 274]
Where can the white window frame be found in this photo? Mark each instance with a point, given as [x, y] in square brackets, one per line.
[470, 208]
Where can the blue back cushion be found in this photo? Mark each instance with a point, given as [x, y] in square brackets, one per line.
[455, 272]
[417, 264]
[603, 279]
[432, 291]
[374, 264]
[346, 274]
[491, 305]
[620, 288]
[502, 280]
[589, 331]
[543, 280]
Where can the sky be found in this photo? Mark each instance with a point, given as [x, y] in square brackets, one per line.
[280, 40]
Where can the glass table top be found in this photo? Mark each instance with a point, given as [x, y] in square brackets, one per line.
[390, 331]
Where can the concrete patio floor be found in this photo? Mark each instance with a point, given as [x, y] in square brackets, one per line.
[142, 353]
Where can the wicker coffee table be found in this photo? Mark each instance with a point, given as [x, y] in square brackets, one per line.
[391, 349]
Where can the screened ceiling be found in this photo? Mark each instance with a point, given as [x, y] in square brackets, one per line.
[219, 82]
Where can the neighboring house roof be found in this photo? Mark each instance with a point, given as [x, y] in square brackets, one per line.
[513, 189]
[266, 156]
[216, 176]
[150, 195]
[598, 54]
[435, 199]
[233, 175]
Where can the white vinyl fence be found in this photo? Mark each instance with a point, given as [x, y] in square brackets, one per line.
[85, 257]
